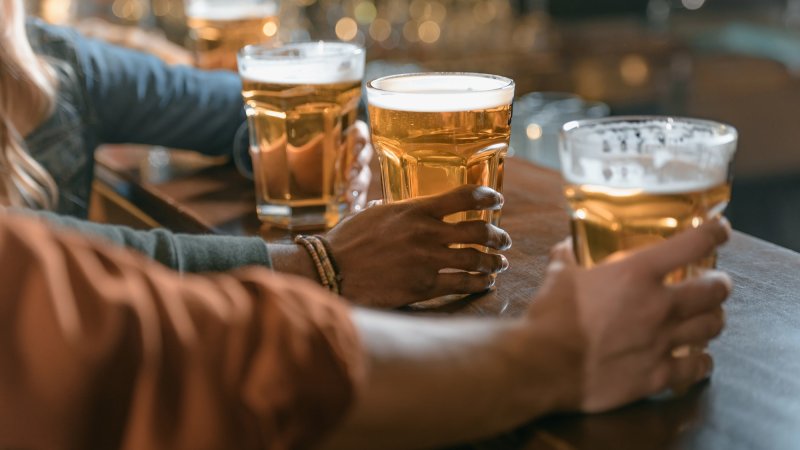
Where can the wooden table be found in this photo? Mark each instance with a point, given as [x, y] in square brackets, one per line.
[752, 400]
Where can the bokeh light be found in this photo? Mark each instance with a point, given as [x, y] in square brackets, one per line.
[429, 32]
[365, 12]
[693, 4]
[270, 28]
[380, 30]
[634, 70]
[346, 29]
[534, 131]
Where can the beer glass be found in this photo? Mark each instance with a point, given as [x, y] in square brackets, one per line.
[437, 131]
[633, 181]
[301, 101]
[219, 28]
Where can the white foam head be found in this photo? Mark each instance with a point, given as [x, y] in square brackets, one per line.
[653, 154]
[303, 63]
[440, 92]
[230, 10]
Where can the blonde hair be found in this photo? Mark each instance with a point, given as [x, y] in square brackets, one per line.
[28, 89]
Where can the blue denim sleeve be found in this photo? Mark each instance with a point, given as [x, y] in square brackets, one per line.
[139, 99]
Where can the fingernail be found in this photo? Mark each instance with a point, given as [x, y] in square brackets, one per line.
[709, 367]
[504, 263]
[725, 233]
[507, 242]
[727, 225]
[485, 192]
[725, 284]
[491, 283]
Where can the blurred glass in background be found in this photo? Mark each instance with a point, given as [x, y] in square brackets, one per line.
[537, 121]
[218, 29]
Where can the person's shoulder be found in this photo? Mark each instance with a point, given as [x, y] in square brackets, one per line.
[46, 38]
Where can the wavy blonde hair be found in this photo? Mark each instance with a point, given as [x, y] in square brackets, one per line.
[28, 90]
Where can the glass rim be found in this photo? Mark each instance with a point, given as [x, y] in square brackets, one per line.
[271, 51]
[729, 133]
[509, 83]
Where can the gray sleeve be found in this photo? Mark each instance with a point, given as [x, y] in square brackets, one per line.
[181, 252]
[140, 99]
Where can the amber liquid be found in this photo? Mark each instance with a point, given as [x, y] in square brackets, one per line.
[608, 220]
[300, 150]
[216, 42]
[427, 153]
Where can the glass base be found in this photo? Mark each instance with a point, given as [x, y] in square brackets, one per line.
[314, 217]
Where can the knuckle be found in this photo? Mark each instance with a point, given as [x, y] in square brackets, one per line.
[659, 312]
[476, 259]
[472, 232]
[720, 290]
[717, 324]
[710, 241]
[496, 262]
[487, 234]
[663, 344]
[659, 378]
[477, 283]
[424, 285]
[422, 230]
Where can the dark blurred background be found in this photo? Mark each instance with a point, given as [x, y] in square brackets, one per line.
[736, 61]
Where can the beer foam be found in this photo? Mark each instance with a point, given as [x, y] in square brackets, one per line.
[227, 10]
[655, 155]
[306, 63]
[652, 183]
[440, 92]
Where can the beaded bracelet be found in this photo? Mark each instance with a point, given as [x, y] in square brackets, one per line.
[329, 253]
[319, 250]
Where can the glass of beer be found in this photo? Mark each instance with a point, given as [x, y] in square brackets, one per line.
[301, 101]
[633, 181]
[219, 28]
[437, 131]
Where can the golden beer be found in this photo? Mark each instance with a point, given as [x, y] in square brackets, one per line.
[435, 132]
[607, 220]
[634, 182]
[300, 102]
[218, 30]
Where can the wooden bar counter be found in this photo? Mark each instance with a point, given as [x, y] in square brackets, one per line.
[751, 401]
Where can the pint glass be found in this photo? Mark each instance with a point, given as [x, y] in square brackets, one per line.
[301, 100]
[633, 181]
[219, 28]
[437, 131]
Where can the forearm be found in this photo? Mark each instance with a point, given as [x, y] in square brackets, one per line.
[105, 347]
[181, 252]
[139, 99]
[435, 382]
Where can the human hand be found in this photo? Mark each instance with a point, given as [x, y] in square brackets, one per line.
[612, 329]
[391, 255]
[358, 174]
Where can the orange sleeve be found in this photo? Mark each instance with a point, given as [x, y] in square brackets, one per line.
[101, 348]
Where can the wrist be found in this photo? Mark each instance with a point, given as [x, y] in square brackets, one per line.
[545, 373]
[293, 259]
[319, 251]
